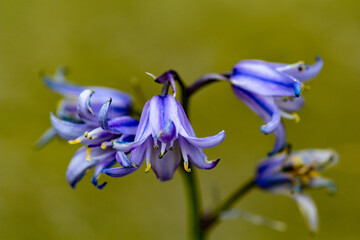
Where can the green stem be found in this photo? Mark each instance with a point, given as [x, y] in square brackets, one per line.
[194, 205]
[211, 219]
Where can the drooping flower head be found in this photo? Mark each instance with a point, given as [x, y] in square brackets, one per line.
[292, 173]
[163, 137]
[272, 90]
[83, 117]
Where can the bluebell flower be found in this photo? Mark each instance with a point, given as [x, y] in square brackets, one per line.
[92, 117]
[272, 90]
[292, 173]
[163, 137]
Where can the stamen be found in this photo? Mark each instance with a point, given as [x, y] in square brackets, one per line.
[299, 65]
[293, 116]
[148, 167]
[151, 75]
[76, 141]
[86, 134]
[163, 148]
[88, 154]
[171, 145]
[156, 146]
[161, 155]
[186, 166]
[297, 117]
[103, 145]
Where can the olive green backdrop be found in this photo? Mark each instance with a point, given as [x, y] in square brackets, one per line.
[112, 42]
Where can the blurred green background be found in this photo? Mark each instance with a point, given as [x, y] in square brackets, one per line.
[112, 42]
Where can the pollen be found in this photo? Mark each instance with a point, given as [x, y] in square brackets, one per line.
[186, 167]
[86, 134]
[103, 145]
[148, 167]
[88, 154]
[296, 117]
[76, 141]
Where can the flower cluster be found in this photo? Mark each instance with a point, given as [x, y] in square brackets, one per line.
[82, 118]
[292, 173]
[98, 118]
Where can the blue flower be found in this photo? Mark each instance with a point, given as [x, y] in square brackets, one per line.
[164, 135]
[272, 90]
[83, 117]
[292, 173]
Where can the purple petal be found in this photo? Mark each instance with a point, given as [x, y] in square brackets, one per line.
[68, 130]
[263, 106]
[64, 88]
[206, 142]
[119, 125]
[290, 105]
[166, 166]
[78, 167]
[304, 72]
[162, 109]
[45, 138]
[67, 110]
[271, 165]
[321, 182]
[119, 171]
[84, 109]
[128, 146]
[107, 163]
[123, 160]
[186, 129]
[195, 155]
[144, 130]
[261, 78]
[168, 133]
[308, 209]
[280, 139]
[279, 183]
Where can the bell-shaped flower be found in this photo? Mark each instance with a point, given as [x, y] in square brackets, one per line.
[96, 131]
[163, 137]
[92, 119]
[292, 173]
[272, 91]
[68, 106]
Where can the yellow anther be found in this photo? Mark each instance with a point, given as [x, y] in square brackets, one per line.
[88, 154]
[86, 134]
[186, 167]
[162, 154]
[103, 145]
[296, 161]
[296, 117]
[148, 167]
[291, 98]
[156, 147]
[78, 140]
